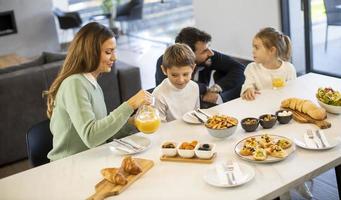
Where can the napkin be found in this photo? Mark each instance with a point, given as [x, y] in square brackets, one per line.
[310, 143]
[221, 174]
[238, 174]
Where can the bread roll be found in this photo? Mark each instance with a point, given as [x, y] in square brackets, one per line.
[305, 106]
[114, 175]
[130, 166]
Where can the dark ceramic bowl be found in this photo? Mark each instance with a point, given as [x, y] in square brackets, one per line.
[249, 126]
[283, 119]
[267, 123]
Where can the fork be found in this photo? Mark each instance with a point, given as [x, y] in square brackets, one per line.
[311, 136]
[229, 170]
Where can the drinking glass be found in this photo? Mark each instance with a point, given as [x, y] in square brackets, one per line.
[278, 82]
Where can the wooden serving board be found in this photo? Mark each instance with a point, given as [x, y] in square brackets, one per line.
[304, 118]
[192, 160]
[105, 188]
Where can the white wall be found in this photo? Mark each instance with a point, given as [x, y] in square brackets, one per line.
[233, 23]
[35, 25]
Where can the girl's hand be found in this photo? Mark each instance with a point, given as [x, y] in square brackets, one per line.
[250, 94]
[142, 97]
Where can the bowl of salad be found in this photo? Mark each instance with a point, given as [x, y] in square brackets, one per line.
[329, 99]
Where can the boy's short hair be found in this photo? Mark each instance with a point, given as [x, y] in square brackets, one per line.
[178, 55]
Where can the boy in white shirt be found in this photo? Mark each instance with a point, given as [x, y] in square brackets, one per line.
[177, 94]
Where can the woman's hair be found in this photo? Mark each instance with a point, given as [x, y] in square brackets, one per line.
[273, 38]
[83, 56]
[191, 36]
[178, 55]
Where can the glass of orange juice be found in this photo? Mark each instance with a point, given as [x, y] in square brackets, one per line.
[278, 82]
[147, 119]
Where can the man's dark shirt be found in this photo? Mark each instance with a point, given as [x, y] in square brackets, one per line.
[229, 75]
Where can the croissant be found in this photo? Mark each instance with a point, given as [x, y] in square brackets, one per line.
[130, 166]
[114, 175]
[306, 107]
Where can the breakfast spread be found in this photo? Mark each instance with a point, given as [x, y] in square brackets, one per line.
[264, 147]
[305, 106]
[188, 145]
[284, 113]
[221, 122]
[268, 117]
[250, 121]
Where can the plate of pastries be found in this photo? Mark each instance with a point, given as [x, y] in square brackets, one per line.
[265, 148]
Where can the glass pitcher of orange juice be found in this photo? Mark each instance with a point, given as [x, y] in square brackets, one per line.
[147, 119]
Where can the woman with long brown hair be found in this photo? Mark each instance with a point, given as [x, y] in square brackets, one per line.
[75, 101]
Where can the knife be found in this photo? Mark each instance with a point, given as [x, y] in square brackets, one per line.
[319, 136]
[202, 112]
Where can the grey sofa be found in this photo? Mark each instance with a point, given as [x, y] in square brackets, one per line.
[22, 105]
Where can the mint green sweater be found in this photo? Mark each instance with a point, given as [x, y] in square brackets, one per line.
[79, 120]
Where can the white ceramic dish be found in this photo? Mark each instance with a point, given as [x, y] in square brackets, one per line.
[246, 174]
[269, 159]
[169, 152]
[185, 153]
[332, 142]
[139, 141]
[330, 108]
[189, 118]
[202, 154]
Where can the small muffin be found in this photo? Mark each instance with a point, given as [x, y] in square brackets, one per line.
[247, 150]
[259, 154]
[277, 151]
[284, 143]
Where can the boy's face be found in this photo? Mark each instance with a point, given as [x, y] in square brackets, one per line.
[178, 76]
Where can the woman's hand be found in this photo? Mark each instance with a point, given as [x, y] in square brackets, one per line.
[142, 97]
[250, 94]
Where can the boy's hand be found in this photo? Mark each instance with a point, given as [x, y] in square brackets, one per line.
[211, 97]
[250, 94]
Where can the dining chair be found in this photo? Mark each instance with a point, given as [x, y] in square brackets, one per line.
[130, 11]
[68, 20]
[39, 143]
[333, 13]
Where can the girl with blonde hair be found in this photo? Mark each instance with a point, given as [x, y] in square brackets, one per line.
[75, 101]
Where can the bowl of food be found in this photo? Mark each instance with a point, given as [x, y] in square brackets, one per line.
[249, 124]
[329, 99]
[186, 149]
[168, 149]
[221, 126]
[267, 121]
[205, 150]
[284, 116]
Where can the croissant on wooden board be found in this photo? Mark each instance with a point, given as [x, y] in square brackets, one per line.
[130, 166]
[305, 106]
[114, 175]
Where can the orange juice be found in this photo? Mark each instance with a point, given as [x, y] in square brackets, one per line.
[278, 82]
[147, 126]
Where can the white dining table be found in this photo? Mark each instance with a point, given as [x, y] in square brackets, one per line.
[75, 177]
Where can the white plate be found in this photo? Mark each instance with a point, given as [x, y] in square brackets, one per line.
[136, 140]
[269, 159]
[333, 141]
[189, 118]
[211, 176]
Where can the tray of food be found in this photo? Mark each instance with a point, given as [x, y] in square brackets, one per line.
[193, 151]
[264, 148]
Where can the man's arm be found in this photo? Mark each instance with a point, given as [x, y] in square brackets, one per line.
[159, 76]
[229, 73]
